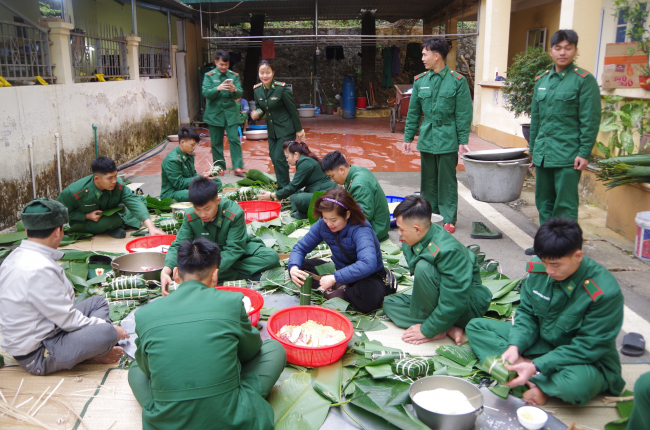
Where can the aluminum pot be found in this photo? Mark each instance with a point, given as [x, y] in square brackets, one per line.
[438, 421]
[178, 209]
[132, 264]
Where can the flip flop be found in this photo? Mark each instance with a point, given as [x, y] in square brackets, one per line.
[239, 172]
[633, 345]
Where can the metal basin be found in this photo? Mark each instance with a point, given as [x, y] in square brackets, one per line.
[132, 264]
[256, 135]
[497, 154]
[496, 181]
[438, 421]
[178, 209]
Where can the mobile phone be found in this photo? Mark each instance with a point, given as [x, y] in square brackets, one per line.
[228, 81]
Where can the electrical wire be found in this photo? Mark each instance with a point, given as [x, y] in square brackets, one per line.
[140, 159]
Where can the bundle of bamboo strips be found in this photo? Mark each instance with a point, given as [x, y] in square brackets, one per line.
[624, 170]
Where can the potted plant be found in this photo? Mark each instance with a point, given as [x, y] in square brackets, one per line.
[520, 82]
[623, 121]
[635, 12]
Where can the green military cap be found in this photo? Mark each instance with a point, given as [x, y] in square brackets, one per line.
[43, 214]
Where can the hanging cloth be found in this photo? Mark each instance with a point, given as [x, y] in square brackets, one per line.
[396, 65]
[268, 49]
[387, 78]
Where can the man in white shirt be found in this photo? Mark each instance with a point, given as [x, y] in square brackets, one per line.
[42, 328]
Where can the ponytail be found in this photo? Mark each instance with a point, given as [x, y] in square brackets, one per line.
[294, 146]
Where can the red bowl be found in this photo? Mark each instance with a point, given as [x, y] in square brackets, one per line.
[303, 355]
[260, 210]
[150, 242]
[257, 301]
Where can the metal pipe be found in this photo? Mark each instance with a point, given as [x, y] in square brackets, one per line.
[134, 18]
[316, 24]
[96, 147]
[343, 36]
[169, 38]
[58, 158]
[31, 163]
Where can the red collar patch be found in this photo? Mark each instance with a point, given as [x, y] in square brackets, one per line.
[228, 214]
[81, 193]
[593, 290]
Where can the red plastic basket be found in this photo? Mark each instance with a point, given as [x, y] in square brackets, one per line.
[302, 355]
[150, 242]
[260, 210]
[257, 301]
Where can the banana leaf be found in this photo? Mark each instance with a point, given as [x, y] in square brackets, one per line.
[460, 354]
[328, 381]
[504, 310]
[20, 226]
[75, 254]
[265, 313]
[78, 283]
[389, 248]
[500, 390]
[12, 237]
[326, 269]
[245, 182]
[367, 419]
[350, 359]
[5, 252]
[512, 296]
[109, 212]
[295, 404]
[79, 268]
[379, 372]
[370, 346]
[619, 424]
[337, 304]
[364, 323]
[118, 312]
[159, 206]
[310, 211]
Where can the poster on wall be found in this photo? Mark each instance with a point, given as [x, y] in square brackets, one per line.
[622, 70]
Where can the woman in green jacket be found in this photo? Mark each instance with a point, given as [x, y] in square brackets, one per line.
[275, 100]
[308, 179]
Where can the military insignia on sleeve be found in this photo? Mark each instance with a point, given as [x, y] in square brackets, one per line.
[257, 85]
[282, 84]
[535, 266]
[593, 290]
[228, 214]
[537, 78]
[120, 186]
[233, 73]
[212, 72]
[580, 72]
[191, 216]
[456, 75]
[433, 249]
[80, 194]
[420, 75]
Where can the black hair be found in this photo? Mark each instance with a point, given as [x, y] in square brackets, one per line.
[222, 55]
[557, 238]
[188, 133]
[437, 44]
[266, 63]
[202, 190]
[414, 208]
[294, 146]
[198, 258]
[333, 160]
[103, 165]
[562, 35]
[40, 234]
[340, 195]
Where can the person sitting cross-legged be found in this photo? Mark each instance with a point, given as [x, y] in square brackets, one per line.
[199, 363]
[222, 221]
[563, 339]
[447, 289]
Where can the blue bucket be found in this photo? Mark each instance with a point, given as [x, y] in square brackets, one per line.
[393, 199]
[257, 127]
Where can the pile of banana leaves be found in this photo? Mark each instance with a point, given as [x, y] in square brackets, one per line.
[624, 170]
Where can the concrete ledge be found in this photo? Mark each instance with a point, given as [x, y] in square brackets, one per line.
[624, 203]
[501, 138]
[368, 113]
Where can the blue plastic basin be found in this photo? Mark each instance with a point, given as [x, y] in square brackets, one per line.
[393, 199]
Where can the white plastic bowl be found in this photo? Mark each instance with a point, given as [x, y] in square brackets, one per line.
[539, 417]
[305, 112]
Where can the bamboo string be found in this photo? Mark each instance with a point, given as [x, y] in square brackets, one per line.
[26, 401]
[17, 391]
[48, 397]
[39, 399]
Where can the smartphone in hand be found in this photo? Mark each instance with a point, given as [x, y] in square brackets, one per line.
[228, 81]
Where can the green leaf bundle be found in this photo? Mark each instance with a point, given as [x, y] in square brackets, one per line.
[495, 365]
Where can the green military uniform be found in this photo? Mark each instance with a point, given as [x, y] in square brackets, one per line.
[242, 255]
[447, 289]
[365, 189]
[445, 101]
[309, 176]
[563, 125]
[177, 173]
[228, 370]
[223, 112]
[640, 418]
[83, 197]
[568, 328]
[282, 122]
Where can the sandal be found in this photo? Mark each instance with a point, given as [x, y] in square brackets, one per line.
[633, 345]
[450, 227]
[239, 172]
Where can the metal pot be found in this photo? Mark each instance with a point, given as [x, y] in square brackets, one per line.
[496, 181]
[438, 421]
[178, 209]
[256, 135]
[132, 264]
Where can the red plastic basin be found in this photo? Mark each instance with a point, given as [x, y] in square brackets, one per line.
[260, 210]
[150, 242]
[257, 301]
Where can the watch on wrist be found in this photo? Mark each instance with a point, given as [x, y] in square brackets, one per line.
[537, 372]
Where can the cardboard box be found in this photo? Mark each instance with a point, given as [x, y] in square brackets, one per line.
[620, 69]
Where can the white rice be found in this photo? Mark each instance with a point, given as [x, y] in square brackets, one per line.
[443, 401]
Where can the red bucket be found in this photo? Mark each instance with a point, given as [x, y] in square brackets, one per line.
[260, 210]
[303, 355]
[361, 102]
[257, 301]
[150, 242]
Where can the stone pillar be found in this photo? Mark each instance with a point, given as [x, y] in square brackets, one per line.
[451, 56]
[368, 52]
[132, 43]
[582, 16]
[60, 51]
[173, 54]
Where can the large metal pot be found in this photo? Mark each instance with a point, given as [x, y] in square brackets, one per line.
[132, 264]
[178, 209]
[438, 421]
[496, 181]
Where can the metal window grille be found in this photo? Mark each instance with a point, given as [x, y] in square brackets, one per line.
[153, 56]
[97, 48]
[24, 53]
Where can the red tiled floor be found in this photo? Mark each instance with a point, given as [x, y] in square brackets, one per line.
[365, 142]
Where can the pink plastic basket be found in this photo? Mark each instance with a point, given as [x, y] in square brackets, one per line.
[260, 210]
[257, 301]
[150, 241]
[302, 355]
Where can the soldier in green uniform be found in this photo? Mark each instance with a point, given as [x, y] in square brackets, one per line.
[87, 198]
[221, 87]
[178, 167]
[563, 339]
[563, 128]
[228, 370]
[308, 179]
[222, 221]
[275, 100]
[364, 188]
[640, 418]
[447, 290]
[442, 95]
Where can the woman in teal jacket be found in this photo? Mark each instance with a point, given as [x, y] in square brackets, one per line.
[308, 179]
